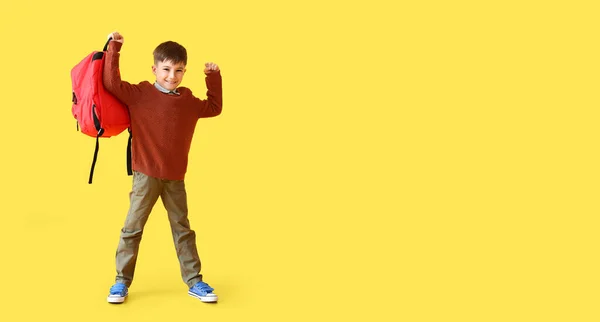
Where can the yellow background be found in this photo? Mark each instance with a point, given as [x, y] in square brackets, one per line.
[375, 161]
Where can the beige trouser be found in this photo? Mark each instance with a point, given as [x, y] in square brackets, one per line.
[144, 194]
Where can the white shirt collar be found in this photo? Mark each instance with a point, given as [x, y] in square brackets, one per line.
[164, 90]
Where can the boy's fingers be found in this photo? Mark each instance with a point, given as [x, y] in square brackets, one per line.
[115, 36]
[211, 67]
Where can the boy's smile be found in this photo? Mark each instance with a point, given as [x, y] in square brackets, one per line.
[168, 74]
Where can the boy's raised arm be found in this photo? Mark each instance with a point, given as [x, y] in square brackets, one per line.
[213, 104]
[124, 91]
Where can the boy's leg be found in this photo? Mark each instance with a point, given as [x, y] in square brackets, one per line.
[143, 196]
[174, 199]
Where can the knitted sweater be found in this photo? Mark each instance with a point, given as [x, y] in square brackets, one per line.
[162, 125]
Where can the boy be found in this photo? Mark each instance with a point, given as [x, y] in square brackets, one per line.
[163, 119]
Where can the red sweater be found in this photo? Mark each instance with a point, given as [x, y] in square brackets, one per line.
[162, 125]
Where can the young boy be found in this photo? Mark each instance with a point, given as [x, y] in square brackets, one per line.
[163, 119]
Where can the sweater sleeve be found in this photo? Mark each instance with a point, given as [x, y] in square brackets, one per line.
[213, 104]
[124, 91]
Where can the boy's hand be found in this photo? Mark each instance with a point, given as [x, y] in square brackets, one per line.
[116, 36]
[210, 68]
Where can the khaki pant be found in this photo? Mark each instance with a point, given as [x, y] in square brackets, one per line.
[144, 194]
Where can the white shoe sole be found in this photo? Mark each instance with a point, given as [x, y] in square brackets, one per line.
[116, 299]
[210, 298]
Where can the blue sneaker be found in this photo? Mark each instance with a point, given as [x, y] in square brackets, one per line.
[204, 292]
[118, 293]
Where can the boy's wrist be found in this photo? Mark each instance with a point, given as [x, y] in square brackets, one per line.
[115, 45]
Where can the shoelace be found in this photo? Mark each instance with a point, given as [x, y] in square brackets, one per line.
[117, 288]
[203, 287]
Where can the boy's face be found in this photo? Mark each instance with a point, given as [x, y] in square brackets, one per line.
[168, 74]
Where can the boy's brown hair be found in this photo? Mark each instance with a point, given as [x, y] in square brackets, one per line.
[170, 51]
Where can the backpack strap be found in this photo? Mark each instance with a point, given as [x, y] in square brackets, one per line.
[74, 100]
[129, 170]
[100, 132]
[95, 154]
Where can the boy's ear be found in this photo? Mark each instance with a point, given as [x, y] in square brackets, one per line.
[154, 69]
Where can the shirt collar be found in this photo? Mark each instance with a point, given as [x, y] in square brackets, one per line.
[164, 90]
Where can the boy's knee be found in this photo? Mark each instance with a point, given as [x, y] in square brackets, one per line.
[131, 233]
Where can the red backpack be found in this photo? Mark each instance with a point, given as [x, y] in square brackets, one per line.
[98, 113]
